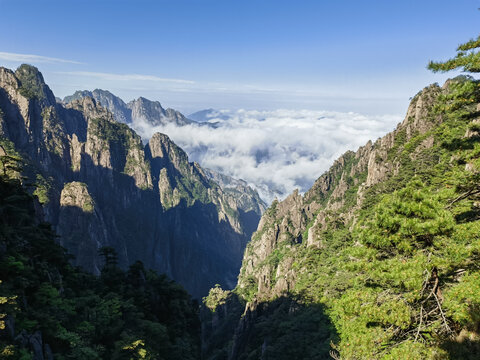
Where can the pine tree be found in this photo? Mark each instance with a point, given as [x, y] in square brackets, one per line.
[109, 255]
[467, 59]
[408, 219]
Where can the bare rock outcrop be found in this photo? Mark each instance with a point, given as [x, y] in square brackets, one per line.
[76, 194]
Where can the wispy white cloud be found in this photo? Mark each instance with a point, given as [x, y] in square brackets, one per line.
[29, 58]
[275, 151]
[124, 77]
[152, 82]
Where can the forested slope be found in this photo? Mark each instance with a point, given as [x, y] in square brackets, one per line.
[51, 310]
[379, 259]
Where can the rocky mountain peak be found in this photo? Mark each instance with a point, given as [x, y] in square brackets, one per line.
[76, 194]
[33, 85]
[77, 95]
[141, 110]
[161, 146]
[416, 119]
[107, 94]
[114, 104]
[106, 99]
[98, 185]
[152, 112]
[90, 108]
[10, 85]
[8, 80]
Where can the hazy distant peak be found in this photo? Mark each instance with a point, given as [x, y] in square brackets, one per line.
[77, 95]
[152, 112]
[208, 114]
[105, 92]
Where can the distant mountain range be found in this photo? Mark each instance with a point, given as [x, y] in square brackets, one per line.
[143, 115]
[136, 111]
[208, 115]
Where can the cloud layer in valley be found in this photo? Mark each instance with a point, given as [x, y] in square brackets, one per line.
[274, 151]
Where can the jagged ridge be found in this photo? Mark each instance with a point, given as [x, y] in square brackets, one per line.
[136, 111]
[100, 186]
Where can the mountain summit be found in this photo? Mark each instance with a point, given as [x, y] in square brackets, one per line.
[135, 112]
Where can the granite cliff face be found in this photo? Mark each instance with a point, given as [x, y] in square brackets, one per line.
[105, 98]
[100, 186]
[339, 191]
[239, 189]
[154, 114]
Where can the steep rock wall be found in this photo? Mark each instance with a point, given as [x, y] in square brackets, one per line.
[149, 203]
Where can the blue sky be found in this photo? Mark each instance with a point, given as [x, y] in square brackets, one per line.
[365, 56]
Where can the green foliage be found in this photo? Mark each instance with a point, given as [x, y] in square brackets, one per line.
[410, 218]
[191, 189]
[110, 257]
[248, 290]
[113, 132]
[42, 189]
[462, 92]
[216, 297]
[119, 315]
[409, 230]
[31, 82]
[467, 58]
[463, 303]
[398, 277]
[10, 160]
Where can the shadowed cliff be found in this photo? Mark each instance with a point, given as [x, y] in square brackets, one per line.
[100, 186]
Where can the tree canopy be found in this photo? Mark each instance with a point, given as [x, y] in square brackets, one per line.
[408, 219]
[120, 315]
[467, 59]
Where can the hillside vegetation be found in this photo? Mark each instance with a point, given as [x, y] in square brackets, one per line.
[380, 258]
[49, 309]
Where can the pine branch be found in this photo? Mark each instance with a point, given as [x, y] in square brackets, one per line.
[419, 325]
[443, 315]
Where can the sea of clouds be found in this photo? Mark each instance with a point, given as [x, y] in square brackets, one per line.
[277, 151]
